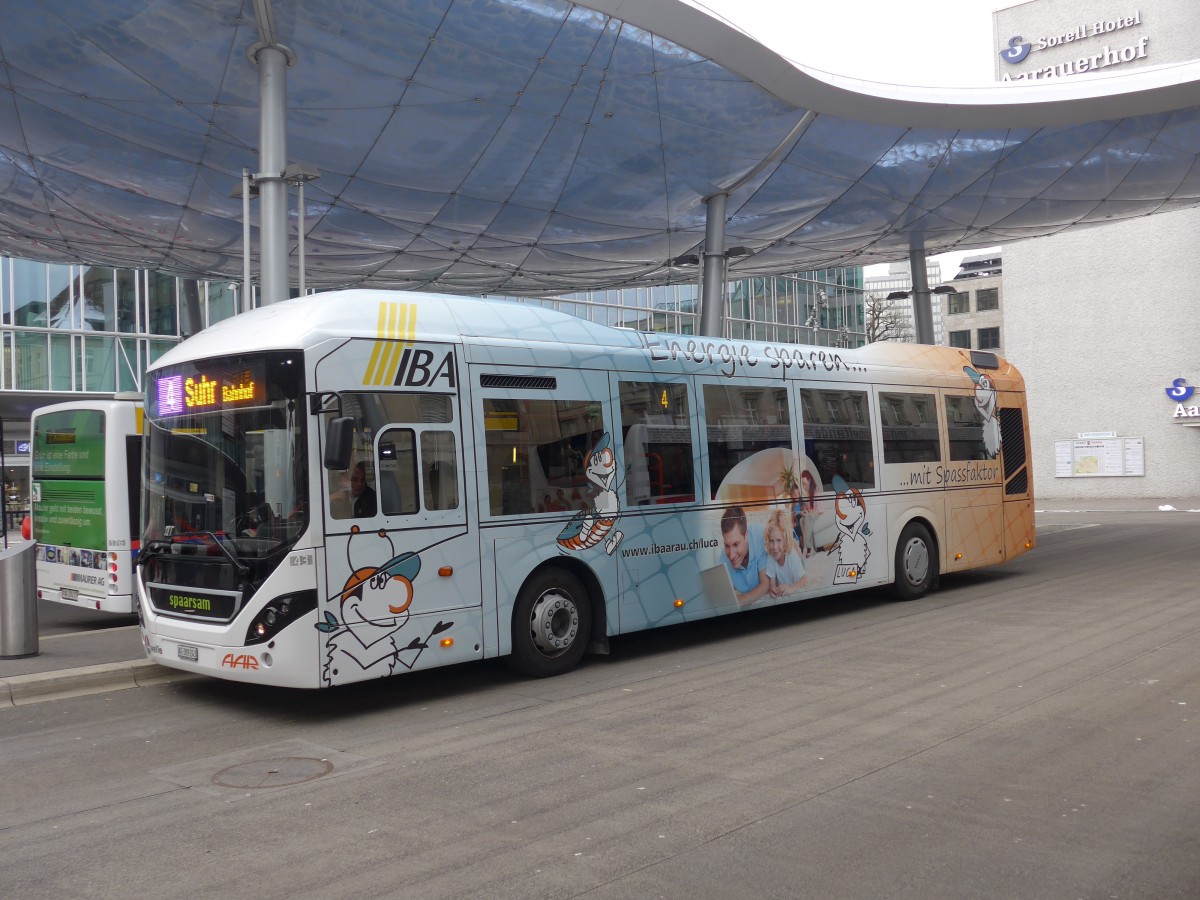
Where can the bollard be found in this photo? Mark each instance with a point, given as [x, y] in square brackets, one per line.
[18, 601]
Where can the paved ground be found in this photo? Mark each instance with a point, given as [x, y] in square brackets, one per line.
[83, 651]
[79, 651]
[1027, 731]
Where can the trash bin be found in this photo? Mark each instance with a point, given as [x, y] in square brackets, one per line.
[18, 601]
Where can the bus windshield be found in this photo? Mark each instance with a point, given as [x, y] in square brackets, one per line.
[226, 461]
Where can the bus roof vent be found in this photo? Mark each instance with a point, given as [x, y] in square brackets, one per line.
[520, 382]
[981, 359]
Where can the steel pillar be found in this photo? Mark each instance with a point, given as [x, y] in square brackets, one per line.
[922, 303]
[712, 301]
[272, 61]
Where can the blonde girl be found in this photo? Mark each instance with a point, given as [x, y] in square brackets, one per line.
[785, 568]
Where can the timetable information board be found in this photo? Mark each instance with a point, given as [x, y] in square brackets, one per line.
[1100, 458]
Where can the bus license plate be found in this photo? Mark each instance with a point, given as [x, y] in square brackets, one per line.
[69, 594]
[188, 653]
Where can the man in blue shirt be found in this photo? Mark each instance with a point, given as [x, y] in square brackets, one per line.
[745, 555]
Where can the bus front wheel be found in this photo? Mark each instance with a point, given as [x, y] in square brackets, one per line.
[551, 624]
[916, 563]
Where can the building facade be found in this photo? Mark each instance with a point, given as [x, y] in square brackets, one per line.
[824, 307]
[1041, 40]
[69, 330]
[975, 313]
[1100, 321]
[899, 278]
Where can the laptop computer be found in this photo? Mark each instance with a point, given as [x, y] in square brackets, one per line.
[718, 586]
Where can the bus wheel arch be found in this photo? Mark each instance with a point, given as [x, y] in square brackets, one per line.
[558, 611]
[917, 566]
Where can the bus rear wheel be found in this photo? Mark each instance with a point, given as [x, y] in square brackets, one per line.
[551, 624]
[916, 563]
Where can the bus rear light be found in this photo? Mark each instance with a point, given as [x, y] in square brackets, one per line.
[447, 642]
[112, 558]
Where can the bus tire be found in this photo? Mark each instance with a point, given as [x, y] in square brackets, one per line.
[916, 563]
[552, 624]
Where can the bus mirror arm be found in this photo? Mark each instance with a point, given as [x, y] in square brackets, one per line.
[325, 402]
[339, 441]
[240, 567]
[152, 549]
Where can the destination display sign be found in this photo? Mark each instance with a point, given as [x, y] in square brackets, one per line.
[210, 388]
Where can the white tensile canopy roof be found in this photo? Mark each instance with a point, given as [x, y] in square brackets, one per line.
[539, 146]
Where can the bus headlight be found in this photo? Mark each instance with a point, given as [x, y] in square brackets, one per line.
[278, 614]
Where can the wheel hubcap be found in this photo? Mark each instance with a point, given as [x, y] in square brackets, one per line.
[916, 561]
[554, 623]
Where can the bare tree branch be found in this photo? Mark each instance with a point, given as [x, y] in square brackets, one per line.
[885, 321]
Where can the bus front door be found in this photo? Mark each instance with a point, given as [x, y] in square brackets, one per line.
[401, 566]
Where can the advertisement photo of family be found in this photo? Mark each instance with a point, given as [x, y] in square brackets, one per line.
[778, 540]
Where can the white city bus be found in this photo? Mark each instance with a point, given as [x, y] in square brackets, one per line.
[356, 484]
[86, 463]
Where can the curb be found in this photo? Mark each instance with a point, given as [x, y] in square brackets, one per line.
[22, 690]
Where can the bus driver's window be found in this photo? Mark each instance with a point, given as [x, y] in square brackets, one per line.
[352, 491]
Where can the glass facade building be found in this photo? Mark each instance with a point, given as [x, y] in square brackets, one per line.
[68, 329]
[823, 307]
[95, 329]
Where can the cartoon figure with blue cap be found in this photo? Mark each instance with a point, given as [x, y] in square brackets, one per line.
[589, 527]
[374, 607]
[985, 405]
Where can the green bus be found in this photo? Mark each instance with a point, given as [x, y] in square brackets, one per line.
[85, 463]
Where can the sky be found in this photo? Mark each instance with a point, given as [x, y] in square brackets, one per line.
[940, 43]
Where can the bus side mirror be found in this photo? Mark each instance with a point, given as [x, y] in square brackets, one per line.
[339, 441]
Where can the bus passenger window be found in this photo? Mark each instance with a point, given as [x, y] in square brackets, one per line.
[439, 470]
[657, 428]
[537, 453]
[397, 464]
[963, 423]
[739, 423]
[910, 428]
[837, 436]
